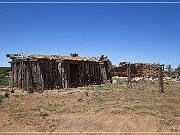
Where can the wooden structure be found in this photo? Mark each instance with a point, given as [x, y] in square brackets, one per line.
[161, 83]
[44, 72]
[129, 75]
[145, 70]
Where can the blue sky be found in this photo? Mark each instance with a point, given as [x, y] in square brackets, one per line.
[123, 32]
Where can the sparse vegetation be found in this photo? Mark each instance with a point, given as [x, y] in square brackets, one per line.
[86, 93]
[176, 114]
[166, 122]
[146, 113]
[4, 80]
[97, 106]
[41, 111]
[117, 112]
[129, 108]
[18, 95]
[4, 70]
[1, 98]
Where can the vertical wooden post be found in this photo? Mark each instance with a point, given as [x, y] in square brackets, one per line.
[170, 72]
[129, 75]
[161, 84]
[60, 75]
[12, 73]
[27, 78]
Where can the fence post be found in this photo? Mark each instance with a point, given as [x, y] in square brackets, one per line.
[161, 83]
[129, 75]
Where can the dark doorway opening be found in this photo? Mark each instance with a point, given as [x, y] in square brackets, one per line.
[74, 79]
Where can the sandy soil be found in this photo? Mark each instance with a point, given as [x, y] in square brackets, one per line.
[100, 110]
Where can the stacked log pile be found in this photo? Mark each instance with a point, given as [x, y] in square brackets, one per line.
[145, 70]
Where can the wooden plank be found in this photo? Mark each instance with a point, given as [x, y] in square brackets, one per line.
[161, 83]
[68, 75]
[40, 80]
[12, 73]
[129, 75]
[60, 75]
[63, 75]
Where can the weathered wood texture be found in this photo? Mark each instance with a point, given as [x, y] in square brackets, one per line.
[48, 74]
[145, 70]
[129, 76]
[161, 83]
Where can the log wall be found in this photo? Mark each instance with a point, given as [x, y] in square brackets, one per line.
[40, 75]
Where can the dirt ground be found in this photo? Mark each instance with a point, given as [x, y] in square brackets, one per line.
[104, 109]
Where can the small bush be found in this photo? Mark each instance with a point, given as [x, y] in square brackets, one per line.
[86, 93]
[6, 95]
[1, 98]
[167, 122]
[176, 114]
[41, 111]
[5, 80]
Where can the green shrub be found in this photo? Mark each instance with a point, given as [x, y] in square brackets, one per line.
[1, 98]
[5, 80]
[41, 111]
[86, 93]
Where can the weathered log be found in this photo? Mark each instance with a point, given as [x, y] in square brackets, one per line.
[161, 83]
[129, 76]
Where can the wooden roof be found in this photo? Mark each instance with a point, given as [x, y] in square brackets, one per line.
[54, 57]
